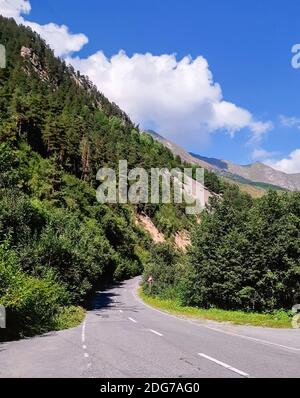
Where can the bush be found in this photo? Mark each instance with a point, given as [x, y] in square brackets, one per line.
[76, 251]
[19, 219]
[246, 254]
[32, 303]
[163, 266]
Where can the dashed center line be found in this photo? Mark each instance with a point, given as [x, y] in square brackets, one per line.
[83, 331]
[224, 365]
[132, 320]
[121, 311]
[155, 332]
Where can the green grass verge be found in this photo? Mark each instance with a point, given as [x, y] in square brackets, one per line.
[69, 317]
[279, 319]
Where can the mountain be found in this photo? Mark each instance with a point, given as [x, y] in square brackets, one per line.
[57, 243]
[179, 151]
[257, 176]
[257, 172]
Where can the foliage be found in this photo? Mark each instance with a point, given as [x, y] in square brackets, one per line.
[32, 303]
[246, 254]
[276, 319]
[166, 266]
[56, 131]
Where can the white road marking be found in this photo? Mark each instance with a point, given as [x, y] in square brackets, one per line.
[132, 320]
[121, 311]
[260, 341]
[86, 355]
[84, 347]
[265, 342]
[83, 331]
[155, 332]
[224, 365]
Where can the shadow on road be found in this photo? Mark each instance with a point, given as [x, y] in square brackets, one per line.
[109, 299]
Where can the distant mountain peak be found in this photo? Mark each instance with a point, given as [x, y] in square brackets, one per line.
[256, 172]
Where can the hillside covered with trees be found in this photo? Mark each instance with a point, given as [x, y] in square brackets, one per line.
[56, 241]
[245, 255]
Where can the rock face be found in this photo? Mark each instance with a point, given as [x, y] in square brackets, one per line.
[148, 225]
[183, 240]
[30, 56]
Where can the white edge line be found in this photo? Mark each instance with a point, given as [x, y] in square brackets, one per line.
[224, 365]
[260, 341]
[155, 332]
[132, 320]
[265, 342]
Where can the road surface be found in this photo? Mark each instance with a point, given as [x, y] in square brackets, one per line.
[122, 337]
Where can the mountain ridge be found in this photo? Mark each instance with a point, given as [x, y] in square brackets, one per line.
[259, 174]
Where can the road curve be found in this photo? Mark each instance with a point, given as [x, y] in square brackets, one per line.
[122, 337]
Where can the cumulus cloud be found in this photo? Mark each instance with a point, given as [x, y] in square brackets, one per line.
[60, 39]
[289, 165]
[14, 8]
[178, 98]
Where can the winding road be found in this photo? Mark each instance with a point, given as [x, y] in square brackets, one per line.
[122, 337]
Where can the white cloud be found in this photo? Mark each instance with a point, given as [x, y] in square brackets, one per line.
[262, 154]
[175, 97]
[178, 98]
[291, 164]
[14, 8]
[291, 122]
[60, 39]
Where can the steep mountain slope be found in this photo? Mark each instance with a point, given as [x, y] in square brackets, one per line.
[262, 173]
[213, 165]
[256, 172]
[249, 177]
[179, 151]
[56, 241]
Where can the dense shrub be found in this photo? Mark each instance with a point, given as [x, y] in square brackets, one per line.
[166, 266]
[31, 303]
[246, 254]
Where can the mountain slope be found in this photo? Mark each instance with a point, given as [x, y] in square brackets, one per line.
[255, 175]
[179, 151]
[57, 243]
[211, 165]
[260, 172]
[256, 172]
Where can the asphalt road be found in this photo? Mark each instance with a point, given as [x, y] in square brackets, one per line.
[122, 337]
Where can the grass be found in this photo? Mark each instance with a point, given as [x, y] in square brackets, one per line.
[279, 319]
[69, 317]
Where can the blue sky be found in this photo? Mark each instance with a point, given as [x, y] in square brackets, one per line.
[247, 44]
